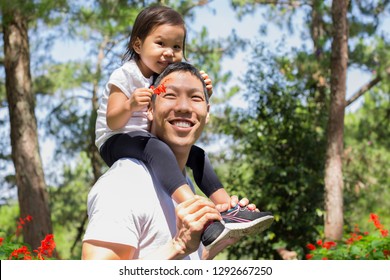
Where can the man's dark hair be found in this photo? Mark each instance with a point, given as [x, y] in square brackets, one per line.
[183, 67]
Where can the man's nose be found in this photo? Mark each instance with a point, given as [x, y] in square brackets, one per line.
[183, 104]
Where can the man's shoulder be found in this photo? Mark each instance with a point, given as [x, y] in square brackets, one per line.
[128, 162]
[129, 167]
[123, 182]
[125, 171]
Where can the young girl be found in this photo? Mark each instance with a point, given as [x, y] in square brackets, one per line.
[157, 40]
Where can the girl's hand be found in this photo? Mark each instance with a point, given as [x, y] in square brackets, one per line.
[140, 99]
[120, 108]
[244, 202]
[207, 80]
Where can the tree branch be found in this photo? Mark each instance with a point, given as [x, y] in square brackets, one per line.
[58, 107]
[289, 3]
[80, 231]
[365, 88]
[194, 5]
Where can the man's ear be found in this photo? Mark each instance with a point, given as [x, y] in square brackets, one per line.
[208, 114]
[150, 113]
[137, 45]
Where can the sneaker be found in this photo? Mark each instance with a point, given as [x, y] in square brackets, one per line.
[212, 233]
[237, 222]
[242, 221]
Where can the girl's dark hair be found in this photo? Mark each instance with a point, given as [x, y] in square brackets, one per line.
[146, 21]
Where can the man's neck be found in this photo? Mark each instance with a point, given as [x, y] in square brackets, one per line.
[181, 157]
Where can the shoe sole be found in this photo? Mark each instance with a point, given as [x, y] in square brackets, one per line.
[237, 230]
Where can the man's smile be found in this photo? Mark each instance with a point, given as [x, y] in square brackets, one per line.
[182, 123]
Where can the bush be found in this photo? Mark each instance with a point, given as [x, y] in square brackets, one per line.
[355, 246]
[12, 249]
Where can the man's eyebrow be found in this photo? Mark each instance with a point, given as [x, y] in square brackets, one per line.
[192, 90]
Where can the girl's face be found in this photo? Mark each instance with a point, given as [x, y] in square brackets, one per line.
[163, 46]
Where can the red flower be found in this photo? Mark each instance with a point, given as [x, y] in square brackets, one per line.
[350, 240]
[1, 241]
[21, 223]
[309, 257]
[384, 232]
[311, 247]
[329, 244]
[375, 219]
[45, 250]
[325, 258]
[319, 242]
[47, 247]
[158, 90]
[23, 251]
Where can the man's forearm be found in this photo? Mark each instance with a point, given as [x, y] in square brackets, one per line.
[98, 250]
[173, 250]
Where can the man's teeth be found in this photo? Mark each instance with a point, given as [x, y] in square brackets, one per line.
[182, 124]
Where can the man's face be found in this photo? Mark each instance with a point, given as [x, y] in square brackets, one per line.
[179, 115]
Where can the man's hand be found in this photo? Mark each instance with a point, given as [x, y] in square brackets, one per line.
[224, 243]
[192, 217]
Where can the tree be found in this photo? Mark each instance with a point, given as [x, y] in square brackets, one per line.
[334, 218]
[32, 194]
[308, 74]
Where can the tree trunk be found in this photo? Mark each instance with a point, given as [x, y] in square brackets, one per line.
[32, 195]
[333, 167]
[317, 28]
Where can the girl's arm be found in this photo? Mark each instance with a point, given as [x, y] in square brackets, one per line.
[208, 82]
[120, 108]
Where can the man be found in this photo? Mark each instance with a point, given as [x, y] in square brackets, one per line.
[130, 216]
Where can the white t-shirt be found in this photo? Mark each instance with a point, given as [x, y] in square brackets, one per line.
[128, 206]
[127, 78]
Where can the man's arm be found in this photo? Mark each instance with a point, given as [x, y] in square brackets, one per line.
[100, 250]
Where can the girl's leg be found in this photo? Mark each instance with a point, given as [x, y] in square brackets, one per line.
[155, 153]
[205, 177]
